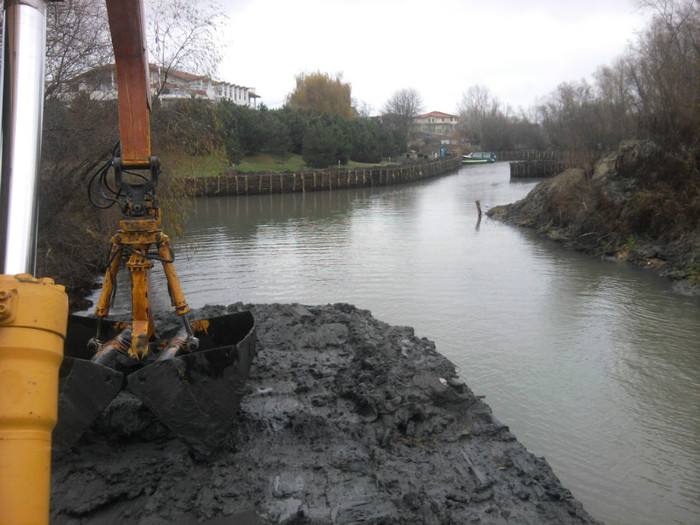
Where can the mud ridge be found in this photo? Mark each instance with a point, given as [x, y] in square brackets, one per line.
[347, 420]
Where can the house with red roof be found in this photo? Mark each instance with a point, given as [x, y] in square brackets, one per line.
[436, 123]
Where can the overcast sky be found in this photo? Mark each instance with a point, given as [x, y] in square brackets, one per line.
[519, 49]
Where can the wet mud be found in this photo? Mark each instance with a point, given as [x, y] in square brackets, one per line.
[346, 420]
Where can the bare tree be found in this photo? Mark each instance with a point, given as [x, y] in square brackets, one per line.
[484, 121]
[362, 108]
[77, 40]
[476, 107]
[403, 106]
[617, 103]
[664, 73]
[183, 35]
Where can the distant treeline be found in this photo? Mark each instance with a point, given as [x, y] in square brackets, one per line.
[650, 92]
[322, 140]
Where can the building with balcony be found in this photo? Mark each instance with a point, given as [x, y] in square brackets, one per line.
[436, 123]
[101, 84]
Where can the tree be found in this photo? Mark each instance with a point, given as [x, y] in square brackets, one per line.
[616, 103]
[403, 106]
[274, 135]
[320, 93]
[296, 125]
[239, 128]
[664, 72]
[571, 117]
[189, 127]
[326, 143]
[183, 36]
[366, 143]
[77, 40]
[362, 109]
[475, 110]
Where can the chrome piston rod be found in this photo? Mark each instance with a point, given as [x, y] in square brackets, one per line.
[22, 112]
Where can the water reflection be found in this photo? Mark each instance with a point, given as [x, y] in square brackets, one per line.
[593, 364]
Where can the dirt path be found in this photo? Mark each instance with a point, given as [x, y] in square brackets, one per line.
[348, 420]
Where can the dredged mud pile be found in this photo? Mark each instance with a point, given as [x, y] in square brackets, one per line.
[348, 420]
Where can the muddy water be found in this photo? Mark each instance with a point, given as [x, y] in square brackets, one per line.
[593, 364]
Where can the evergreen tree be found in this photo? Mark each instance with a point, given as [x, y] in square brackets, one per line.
[325, 143]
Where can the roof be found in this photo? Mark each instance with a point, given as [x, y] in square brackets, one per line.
[438, 114]
[182, 75]
[174, 73]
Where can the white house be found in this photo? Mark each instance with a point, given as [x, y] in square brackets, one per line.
[101, 84]
[436, 123]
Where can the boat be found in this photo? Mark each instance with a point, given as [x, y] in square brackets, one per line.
[479, 157]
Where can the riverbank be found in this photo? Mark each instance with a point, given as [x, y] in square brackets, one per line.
[241, 184]
[642, 205]
[347, 420]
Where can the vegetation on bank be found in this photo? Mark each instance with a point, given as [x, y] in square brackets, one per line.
[641, 204]
[216, 164]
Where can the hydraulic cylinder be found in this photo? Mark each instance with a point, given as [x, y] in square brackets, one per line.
[33, 319]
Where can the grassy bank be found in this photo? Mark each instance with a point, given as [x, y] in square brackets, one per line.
[216, 163]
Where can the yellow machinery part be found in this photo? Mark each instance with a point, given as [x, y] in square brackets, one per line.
[33, 318]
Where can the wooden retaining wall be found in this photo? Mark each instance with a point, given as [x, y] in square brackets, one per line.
[319, 180]
[530, 169]
[529, 155]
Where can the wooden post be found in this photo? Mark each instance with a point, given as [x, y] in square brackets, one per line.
[478, 208]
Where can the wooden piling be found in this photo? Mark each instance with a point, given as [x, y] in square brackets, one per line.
[285, 182]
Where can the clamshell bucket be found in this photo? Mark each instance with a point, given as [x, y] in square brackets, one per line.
[196, 394]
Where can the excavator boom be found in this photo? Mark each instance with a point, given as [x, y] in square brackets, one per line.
[131, 61]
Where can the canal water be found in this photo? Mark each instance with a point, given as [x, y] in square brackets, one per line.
[593, 364]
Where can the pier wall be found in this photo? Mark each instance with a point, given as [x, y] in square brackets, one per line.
[318, 180]
[529, 169]
[529, 155]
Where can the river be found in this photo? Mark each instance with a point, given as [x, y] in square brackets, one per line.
[593, 364]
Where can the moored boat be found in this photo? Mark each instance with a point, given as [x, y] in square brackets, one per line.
[479, 157]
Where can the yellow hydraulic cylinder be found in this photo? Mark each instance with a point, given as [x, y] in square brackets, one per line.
[33, 319]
